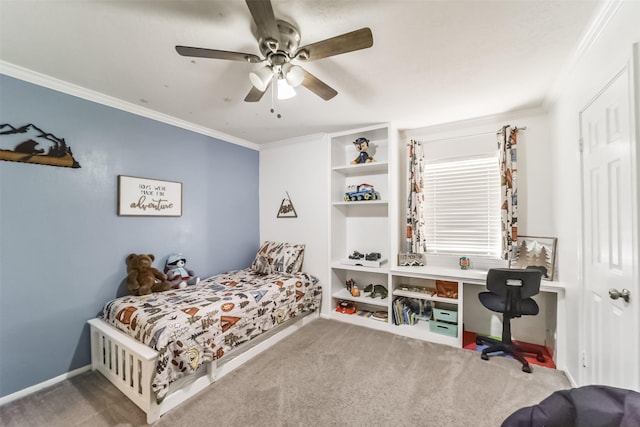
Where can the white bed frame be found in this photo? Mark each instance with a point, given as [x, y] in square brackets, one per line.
[129, 365]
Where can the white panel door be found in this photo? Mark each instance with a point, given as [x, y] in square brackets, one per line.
[611, 353]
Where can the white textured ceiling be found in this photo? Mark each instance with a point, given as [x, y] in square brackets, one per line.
[431, 62]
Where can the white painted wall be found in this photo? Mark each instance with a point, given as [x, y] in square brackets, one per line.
[534, 210]
[610, 47]
[300, 167]
[534, 179]
[548, 176]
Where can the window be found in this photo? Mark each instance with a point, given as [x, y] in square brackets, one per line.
[463, 206]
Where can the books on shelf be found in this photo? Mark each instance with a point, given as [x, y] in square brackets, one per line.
[408, 311]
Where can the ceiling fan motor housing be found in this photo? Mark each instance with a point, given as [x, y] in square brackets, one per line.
[285, 48]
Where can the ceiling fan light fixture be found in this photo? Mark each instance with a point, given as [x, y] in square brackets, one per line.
[261, 77]
[279, 44]
[284, 90]
[294, 74]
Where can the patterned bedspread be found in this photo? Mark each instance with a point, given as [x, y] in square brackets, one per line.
[200, 323]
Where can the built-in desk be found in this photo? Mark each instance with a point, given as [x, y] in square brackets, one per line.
[465, 311]
[547, 328]
[472, 276]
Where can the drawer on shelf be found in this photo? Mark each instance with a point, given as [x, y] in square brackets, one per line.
[443, 328]
[446, 315]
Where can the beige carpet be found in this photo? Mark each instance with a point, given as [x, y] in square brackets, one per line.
[326, 374]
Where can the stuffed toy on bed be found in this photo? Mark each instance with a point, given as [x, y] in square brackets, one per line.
[142, 277]
[177, 273]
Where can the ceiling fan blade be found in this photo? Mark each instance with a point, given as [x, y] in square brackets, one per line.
[262, 14]
[200, 52]
[318, 87]
[348, 42]
[255, 95]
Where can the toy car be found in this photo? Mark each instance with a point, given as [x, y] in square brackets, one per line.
[361, 192]
[346, 307]
[373, 256]
[356, 255]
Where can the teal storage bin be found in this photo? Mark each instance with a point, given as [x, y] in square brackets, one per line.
[446, 315]
[443, 328]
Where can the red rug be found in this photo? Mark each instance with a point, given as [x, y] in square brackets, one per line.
[469, 343]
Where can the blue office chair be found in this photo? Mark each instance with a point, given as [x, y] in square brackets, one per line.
[510, 292]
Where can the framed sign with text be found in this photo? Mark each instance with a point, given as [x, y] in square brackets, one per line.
[148, 197]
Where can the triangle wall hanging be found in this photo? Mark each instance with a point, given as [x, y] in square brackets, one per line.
[286, 208]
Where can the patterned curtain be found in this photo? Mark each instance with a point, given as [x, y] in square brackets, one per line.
[416, 233]
[508, 155]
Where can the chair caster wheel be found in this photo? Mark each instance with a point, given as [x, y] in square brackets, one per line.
[526, 368]
[484, 356]
[478, 341]
[541, 359]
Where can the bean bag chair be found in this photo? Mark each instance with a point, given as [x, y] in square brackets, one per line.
[587, 406]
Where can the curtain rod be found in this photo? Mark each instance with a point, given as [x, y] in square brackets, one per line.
[516, 127]
[426, 141]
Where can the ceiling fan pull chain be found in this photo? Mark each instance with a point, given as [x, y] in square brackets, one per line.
[273, 99]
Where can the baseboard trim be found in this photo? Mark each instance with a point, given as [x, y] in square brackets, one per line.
[572, 381]
[41, 386]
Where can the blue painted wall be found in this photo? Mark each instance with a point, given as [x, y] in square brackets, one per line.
[62, 244]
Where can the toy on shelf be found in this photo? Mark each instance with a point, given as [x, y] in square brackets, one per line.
[376, 290]
[362, 145]
[371, 259]
[361, 192]
[381, 316]
[373, 256]
[419, 289]
[352, 287]
[346, 307]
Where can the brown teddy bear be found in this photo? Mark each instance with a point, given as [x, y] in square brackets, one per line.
[142, 278]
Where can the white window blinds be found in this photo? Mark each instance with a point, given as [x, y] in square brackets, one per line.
[463, 206]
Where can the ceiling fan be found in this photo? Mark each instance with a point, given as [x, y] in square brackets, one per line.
[279, 43]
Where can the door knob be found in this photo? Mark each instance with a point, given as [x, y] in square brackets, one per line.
[615, 294]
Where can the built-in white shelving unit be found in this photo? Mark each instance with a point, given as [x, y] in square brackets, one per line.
[378, 226]
[370, 226]
[362, 226]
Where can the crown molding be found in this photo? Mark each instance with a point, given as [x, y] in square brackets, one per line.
[592, 33]
[294, 140]
[43, 80]
[472, 126]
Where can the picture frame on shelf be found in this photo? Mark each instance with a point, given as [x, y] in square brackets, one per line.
[536, 252]
[412, 260]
